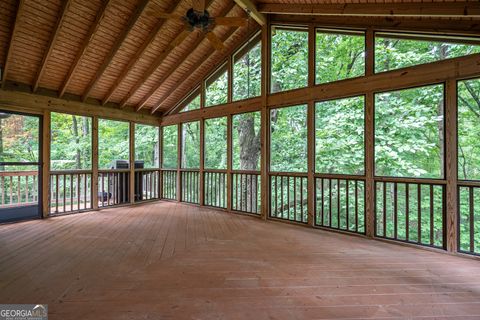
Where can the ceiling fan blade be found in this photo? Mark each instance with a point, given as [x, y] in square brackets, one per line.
[198, 5]
[231, 21]
[215, 41]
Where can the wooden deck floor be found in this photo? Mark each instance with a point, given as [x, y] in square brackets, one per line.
[172, 261]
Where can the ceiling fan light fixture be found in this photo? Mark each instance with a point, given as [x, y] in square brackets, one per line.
[197, 19]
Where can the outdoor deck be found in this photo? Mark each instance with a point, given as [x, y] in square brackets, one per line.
[166, 260]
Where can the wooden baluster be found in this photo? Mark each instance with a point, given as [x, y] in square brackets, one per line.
[56, 193]
[19, 196]
[71, 192]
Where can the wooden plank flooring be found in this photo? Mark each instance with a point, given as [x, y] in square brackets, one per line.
[166, 260]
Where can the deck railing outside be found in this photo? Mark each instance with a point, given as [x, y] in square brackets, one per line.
[18, 188]
[288, 196]
[410, 210]
[246, 190]
[340, 203]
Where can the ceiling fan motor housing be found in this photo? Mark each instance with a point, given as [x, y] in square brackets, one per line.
[200, 20]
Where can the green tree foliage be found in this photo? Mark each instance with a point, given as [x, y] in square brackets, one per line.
[216, 143]
[193, 104]
[289, 58]
[409, 134]
[216, 91]
[288, 139]
[71, 142]
[247, 73]
[469, 129]
[339, 136]
[190, 152]
[113, 142]
[339, 56]
[170, 146]
[146, 145]
[394, 53]
[19, 139]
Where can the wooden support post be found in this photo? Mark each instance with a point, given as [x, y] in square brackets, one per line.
[132, 163]
[202, 162]
[229, 162]
[46, 136]
[311, 55]
[94, 181]
[179, 162]
[230, 78]
[311, 163]
[264, 121]
[369, 139]
[160, 162]
[369, 166]
[451, 166]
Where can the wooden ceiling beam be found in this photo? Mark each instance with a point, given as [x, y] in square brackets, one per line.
[152, 35]
[440, 26]
[252, 11]
[116, 46]
[200, 63]
[91, 33]
[6, 64]
[420, 9]
[155, 65]
[186, 55]
[51, 43]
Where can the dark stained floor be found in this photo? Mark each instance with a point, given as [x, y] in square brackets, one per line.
[166, 260]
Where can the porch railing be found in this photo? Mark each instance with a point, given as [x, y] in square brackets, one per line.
[113, 187]
[190, 182]
[246, 190]
[410, 210]
[340, 203]
[147, 184]
[215, 182]
[70, 191]
[169, 184]
[18, 188]
[469, 217]
[288, 196]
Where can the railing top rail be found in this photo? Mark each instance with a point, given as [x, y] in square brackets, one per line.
[339, 176]
[68, 172]
[18, 173]
[468, 183]
[252, 172]
[147, 170]
[411, 180]
[216, 170]
[189, 170]
[288, 174]
[113, 170]
[166, 169]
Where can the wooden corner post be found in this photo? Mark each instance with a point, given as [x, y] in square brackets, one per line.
[264, 122]
[94, 181]
[451, 166]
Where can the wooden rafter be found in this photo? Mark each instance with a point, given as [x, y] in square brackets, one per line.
[91, 32]
[185, 56]
[116, 46]
[419, 9]
[6, 64]
[51, 43]
[251, 9]
[155, 65]
[198, 65]
[140, 52]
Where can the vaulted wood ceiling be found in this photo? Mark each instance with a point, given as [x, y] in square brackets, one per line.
[117, 51]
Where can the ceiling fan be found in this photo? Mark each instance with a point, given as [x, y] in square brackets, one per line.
[198, 18]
